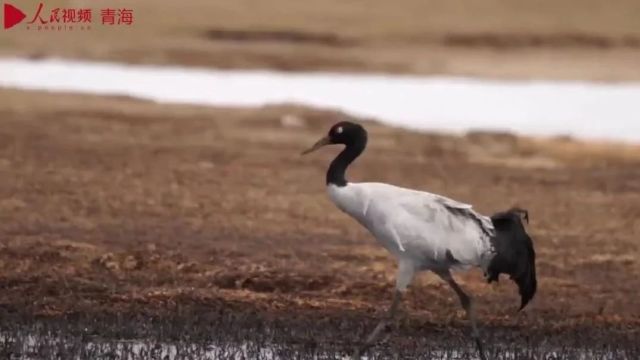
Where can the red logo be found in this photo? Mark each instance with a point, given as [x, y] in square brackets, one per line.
[65, 19]
[12, 16]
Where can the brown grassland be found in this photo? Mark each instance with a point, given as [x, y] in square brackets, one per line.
[118, 206]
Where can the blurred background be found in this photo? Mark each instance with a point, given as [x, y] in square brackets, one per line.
[133, 206]
[550, 39]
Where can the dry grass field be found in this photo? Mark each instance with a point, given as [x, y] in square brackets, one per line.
[117, 206]
[589, 39]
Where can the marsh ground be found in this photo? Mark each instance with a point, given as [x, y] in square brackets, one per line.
[124, 219]
[112, 208]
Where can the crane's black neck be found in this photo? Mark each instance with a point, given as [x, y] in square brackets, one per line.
[338, 167]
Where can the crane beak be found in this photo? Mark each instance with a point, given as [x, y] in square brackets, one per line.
[320, 143]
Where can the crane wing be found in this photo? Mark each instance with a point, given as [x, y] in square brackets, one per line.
[448, 212]
[449, 230]
[466, 211]
[418, 224]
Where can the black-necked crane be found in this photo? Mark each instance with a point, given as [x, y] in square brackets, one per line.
[429, 232]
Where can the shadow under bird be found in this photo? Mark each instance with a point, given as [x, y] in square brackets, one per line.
[429, 232]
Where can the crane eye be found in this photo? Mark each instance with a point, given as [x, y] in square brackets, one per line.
[339, 130]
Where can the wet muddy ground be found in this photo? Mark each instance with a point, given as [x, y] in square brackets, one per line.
[121, 219]
[232, 335]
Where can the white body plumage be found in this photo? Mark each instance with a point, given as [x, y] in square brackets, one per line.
[423, 231]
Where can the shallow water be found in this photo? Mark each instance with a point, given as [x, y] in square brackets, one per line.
[28, 346]
[580, 109]
[199, 333]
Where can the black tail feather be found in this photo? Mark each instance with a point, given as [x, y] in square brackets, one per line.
[515, 254]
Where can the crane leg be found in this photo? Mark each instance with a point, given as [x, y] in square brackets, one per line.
[467, 304]
[406, 270]
[384, 322]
